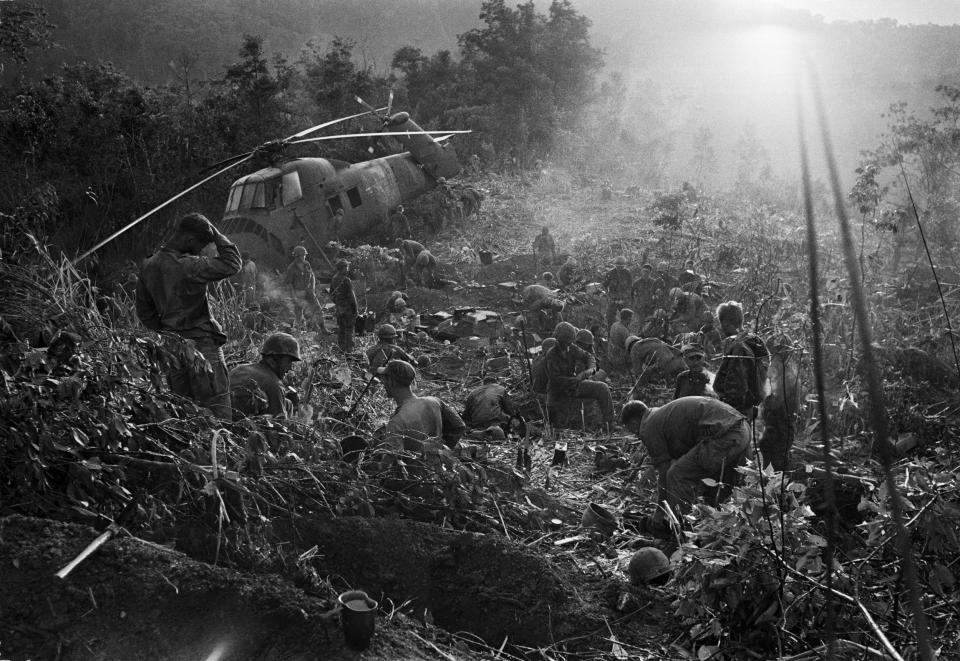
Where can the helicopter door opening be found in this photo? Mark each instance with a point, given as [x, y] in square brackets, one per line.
[335, 204]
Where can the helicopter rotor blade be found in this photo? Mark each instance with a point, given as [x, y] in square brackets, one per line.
[156, 209]
[375, 134]
[229, 159]
[370, 109]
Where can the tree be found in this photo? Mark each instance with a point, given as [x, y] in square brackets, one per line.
[258, 93]
[23, 28]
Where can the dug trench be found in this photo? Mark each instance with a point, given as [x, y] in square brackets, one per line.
[138, 599]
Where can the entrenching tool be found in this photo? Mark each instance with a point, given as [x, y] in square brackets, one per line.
[126, 516]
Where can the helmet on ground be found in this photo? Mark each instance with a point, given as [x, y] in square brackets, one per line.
[648, 565]
[565, 333]
[281, 344]
[386, 331]
[584, 337]
[620, 261]
[299, 251]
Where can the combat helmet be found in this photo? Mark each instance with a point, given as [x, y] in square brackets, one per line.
[299, 251]
[565, 333]
[620, 261]
[281, 344]
[386, 332]
[649, 566]
[584, 337]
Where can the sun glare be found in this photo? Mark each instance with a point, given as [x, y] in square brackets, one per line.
[766, 52]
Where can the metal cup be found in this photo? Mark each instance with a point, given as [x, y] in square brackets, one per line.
[358, 615]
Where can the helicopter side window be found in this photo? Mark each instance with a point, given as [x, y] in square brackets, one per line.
[353, 195]
[259, 197]
[290, 188]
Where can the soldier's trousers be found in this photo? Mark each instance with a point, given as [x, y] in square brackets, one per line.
[346, 326]
[716, 458]
[205, 383]
[586, 389]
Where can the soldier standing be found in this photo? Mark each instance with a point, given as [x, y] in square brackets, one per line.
[172, 298]
[617, 349]
[741, 377]
[618, 282]
[341, 293]
[300, 278]
[544, 248]
[399, 225]
[645, 292]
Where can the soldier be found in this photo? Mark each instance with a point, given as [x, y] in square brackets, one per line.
[617, 349]
[399, 226]
[300, 278]
[171, 297]
[425, 269]
[618, 282]
[256, 388]
[741, 377]
[689, 439]
[538, 370]
[667, 283]
[564, 382]
[543, 306]
[406, 318]
[409, 249]
[245, 282]
[417, 419]
[544, 248]
[694, 381]
[569, 275]
[488, 404]
[689, 279]
[386, 349]
[646, 292]
[341, 293]
[336, 225]
[688, 312]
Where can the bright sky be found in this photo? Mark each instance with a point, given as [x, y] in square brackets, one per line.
[943, 12]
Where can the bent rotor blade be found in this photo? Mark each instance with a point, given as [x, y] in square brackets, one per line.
[156, 209]
[379, 133]
[371, 109]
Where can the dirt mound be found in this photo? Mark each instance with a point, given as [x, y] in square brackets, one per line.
[488, 586]
[133, 600]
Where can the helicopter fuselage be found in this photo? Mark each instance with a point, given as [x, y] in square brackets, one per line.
[294, 203]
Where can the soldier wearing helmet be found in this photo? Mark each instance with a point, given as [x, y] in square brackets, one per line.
[646, 292]
[256, 388]
[171, 298]
[565, 382]
[386, 348]
[689, 439]
[617, 349]
[299, 277]
[619, 283]
[405, 318]
[398, 226]
[417, 420]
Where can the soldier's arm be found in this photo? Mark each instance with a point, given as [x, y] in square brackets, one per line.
[210, 269]
[147, 311]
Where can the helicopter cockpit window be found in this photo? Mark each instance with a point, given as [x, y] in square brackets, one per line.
[233, 202]
[290, 188]
[353, 194]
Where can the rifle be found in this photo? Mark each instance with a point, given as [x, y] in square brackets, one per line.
[373, 377]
